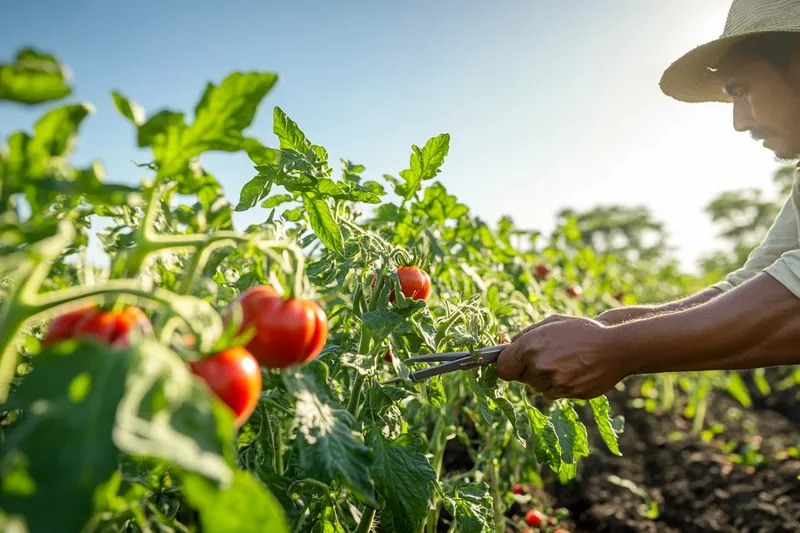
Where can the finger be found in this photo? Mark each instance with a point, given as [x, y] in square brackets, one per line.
[511, 362]
[537, 381]
[548, 320]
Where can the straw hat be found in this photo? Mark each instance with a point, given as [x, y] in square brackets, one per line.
[692, 78]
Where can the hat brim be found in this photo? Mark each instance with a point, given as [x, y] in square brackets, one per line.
[693, 77]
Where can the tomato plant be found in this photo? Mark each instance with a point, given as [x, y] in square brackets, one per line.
[175, 425]
[535, 518]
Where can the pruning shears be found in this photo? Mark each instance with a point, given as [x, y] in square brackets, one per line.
[452, 362]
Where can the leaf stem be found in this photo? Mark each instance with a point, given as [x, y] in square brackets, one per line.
[363, 349]
[365, 525]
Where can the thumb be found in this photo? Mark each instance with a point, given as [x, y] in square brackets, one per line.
[510, 363]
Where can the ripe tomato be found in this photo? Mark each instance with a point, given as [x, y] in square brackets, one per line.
[287, 332]
[574, 291]
[388, 356]
[234, 376]
[414, 283]
[534, 518]
[63, 326]
[618, 297]
[516, 488]
[114, 328]
[560, 531]
[542, 271]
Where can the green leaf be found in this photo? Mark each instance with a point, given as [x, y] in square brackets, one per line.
[322, 222]
[737, 388]
[57, 130]
[34, 78]
[327, 446]
[471, 506]
[168, 413]
[382, 323]
[436, 394]
[601, 411]
[129, 109]
[328, 522]
[545, 441]
[256, 189]
[277, 200]
[424, 164]
[69, 406]
[402, 475]
[221, 115]
[246, 506]
[260, 154]
[571, 432]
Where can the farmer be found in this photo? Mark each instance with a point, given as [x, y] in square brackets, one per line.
[752, 318]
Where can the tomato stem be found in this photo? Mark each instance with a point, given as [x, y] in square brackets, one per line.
[365, 525]
[363, 349]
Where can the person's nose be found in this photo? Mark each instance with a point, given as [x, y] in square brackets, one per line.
[742, 116]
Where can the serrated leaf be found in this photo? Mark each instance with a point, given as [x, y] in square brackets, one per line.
[221, 115]
[382, 323]
[545, 441]
[33, 78]
[507, 408]
[328, 448]
[424, 164]
[436, 394]
[322, 222]
[278, 199]
[571, 432]
[402, 475]
[471, 506]
[246, 506]
[601, 411]
[256, 189]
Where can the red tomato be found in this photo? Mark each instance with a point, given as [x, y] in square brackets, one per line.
[63, 326]
[388, 356]
[618, 297]
[234, 376]
[414, 282]
[560, 531]
[516, 488]
[534, 518]
[117, 329]
[526, 531]
[287, 332]
[574, 291]
[542, 271]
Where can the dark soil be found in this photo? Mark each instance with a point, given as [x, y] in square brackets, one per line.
[696, 486]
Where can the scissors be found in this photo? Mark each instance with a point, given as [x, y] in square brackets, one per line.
[453, 361]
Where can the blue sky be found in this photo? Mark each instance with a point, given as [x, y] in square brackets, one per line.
[549, 104]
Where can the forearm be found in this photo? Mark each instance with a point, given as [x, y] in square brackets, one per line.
[621, 315]
[755, 325]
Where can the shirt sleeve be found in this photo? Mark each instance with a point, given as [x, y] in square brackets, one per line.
[777, 254]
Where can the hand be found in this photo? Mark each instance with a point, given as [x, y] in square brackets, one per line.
[564, 357]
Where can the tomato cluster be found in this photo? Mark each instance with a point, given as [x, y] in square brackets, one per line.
[286, 332]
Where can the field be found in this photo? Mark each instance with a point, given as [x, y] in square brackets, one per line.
[221, 379]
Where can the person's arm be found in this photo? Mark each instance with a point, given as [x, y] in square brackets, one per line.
[620, 315]
[781, 238]
[757, 325]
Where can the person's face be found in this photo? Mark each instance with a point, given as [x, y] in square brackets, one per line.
[766, 101]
